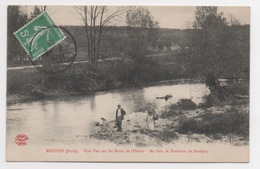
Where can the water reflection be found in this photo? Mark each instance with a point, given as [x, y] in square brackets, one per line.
[58, 119]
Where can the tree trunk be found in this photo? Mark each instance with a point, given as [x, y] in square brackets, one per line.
[87, 31]
[99, 35]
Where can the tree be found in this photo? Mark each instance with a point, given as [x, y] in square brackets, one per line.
[210, 40]
[143, 31]
[202, 13]
[218, 45]
[95, 18]
[16, 18]
[36, 11]
[210, 43]
[219, 49]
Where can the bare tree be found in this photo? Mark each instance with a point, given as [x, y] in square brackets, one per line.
[95, 18]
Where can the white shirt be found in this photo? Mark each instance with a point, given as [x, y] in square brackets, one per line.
[119, 112]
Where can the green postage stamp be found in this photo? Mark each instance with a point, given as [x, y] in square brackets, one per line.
[39, 35]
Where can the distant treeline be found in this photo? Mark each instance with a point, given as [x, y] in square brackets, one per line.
[232, 58]
[115, 41]
[115, 38]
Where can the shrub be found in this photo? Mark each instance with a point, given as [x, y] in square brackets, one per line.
[186, 104]
[175, 109]
[172, 111]
[208, 102]
[22, 81]
[239, 88]
[226, 123]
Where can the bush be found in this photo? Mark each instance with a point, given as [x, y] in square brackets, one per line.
[22, 81]
[208, 102]
[186, 104]
[239, 88]
[76, 79]
[226, 123]
[175, 109]
[172, 111]
[111, 82]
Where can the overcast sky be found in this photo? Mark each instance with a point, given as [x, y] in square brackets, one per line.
[168, 16]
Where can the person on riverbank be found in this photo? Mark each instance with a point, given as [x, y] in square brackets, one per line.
[120, 112]
[150, 119]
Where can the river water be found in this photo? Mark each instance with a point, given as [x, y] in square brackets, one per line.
[60, 120]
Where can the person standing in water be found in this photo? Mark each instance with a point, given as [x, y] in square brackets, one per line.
[119, 117]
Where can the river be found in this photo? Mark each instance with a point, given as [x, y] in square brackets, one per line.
[62, 119]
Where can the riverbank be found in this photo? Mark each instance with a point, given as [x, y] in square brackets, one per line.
[171, 130]
[23, 84]
[80, 79]
[38, 94]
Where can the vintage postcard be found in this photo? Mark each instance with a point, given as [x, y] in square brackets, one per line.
[128, 83]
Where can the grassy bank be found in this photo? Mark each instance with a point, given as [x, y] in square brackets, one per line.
[228, 120]
[231, 122]
[80, 78]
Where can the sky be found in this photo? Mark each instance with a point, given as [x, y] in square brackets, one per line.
[177, 17]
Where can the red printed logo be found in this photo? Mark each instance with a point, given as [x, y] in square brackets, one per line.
[20, 140]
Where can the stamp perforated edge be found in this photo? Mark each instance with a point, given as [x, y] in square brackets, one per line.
[22, 28]
[28, 53]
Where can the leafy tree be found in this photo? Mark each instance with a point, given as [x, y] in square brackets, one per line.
[218, 49]
[219, 46]
[16, 18]
[210, 39]
[202, 13]
[143, 31]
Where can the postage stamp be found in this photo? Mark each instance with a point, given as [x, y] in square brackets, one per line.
[39, 35]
